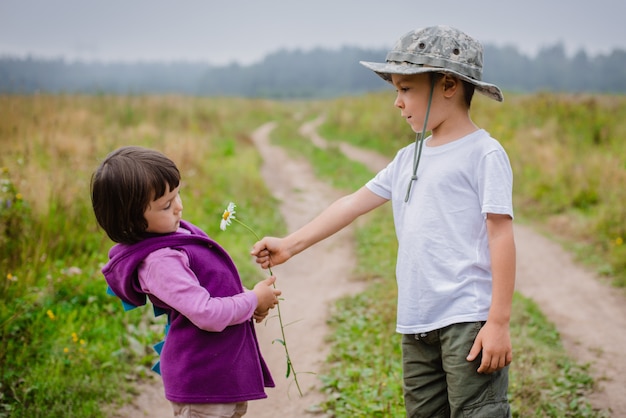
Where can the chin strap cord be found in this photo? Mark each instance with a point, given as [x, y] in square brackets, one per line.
[419, 143]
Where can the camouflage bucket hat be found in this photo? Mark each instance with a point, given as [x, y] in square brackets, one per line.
[440, 49]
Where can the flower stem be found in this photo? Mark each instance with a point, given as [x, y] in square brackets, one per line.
[247, 227]
[290, 368]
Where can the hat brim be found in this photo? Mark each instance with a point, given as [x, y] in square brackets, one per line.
[384, 70]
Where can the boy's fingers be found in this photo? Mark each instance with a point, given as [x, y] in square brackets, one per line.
[485, 365]
[474, 352]
[256, 248]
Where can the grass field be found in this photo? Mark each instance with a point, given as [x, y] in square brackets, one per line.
[67, 348]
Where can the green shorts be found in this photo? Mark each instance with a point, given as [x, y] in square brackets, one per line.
[440, 382]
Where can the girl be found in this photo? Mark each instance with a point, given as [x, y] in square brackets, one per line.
[210, 362]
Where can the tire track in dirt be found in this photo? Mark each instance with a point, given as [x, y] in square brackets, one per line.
[310, 282]
[589, 314]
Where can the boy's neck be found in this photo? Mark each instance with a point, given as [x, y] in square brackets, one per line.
[451, 130]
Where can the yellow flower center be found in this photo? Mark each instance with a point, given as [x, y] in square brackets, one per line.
[226, 215]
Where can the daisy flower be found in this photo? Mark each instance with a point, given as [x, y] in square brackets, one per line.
[228, 216]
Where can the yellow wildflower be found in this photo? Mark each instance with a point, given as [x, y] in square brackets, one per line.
[51, 315]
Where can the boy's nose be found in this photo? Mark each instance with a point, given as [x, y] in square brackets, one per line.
[398, 103]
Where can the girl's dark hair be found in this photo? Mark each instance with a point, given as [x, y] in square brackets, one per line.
[468, 88]
[123, 186]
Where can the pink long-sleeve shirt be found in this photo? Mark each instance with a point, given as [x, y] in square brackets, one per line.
[165, 273]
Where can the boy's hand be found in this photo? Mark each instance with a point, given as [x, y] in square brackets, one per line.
[495, 342]
[269, 252]
[267, 295]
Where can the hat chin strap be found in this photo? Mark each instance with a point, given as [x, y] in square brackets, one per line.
[419, 143]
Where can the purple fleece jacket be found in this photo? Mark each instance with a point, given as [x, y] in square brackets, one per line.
[197, 366]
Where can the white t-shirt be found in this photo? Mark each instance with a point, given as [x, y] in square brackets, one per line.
[443, 267]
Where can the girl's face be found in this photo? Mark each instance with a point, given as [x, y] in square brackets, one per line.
[412, 98]
[163, 214]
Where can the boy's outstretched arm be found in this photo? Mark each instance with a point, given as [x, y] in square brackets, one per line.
[271, 251]
[494, 338]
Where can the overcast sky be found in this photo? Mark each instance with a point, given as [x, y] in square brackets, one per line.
[224, 31]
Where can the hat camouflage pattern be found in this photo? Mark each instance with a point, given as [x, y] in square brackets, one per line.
[441, 49]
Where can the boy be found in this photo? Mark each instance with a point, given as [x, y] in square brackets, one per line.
[452, 202]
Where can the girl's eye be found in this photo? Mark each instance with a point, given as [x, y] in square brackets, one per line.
[169, 205]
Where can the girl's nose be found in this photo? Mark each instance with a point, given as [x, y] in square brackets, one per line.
[179, 204]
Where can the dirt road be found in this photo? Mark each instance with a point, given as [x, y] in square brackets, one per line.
[590, 316]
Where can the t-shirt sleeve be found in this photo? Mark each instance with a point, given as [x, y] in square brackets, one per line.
[495, 183]
[382, 183]
[166, 274]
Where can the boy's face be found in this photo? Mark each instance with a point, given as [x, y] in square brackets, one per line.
[163, 214]
[412, 97]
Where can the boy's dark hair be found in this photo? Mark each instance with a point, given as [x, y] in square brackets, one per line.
[123, 186]
[468, 88]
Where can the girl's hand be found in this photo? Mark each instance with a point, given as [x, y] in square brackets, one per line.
[267, 295]
[259, 316]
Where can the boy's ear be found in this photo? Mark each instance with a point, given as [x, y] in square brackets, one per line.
[449, 82]
[450, 85]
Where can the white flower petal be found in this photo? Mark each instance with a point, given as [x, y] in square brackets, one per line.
[227, 216]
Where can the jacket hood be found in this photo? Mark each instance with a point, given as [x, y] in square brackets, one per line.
[121, 272]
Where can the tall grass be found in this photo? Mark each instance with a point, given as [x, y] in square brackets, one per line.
[66, 347]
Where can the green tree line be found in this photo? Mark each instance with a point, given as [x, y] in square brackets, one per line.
[317, 73]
